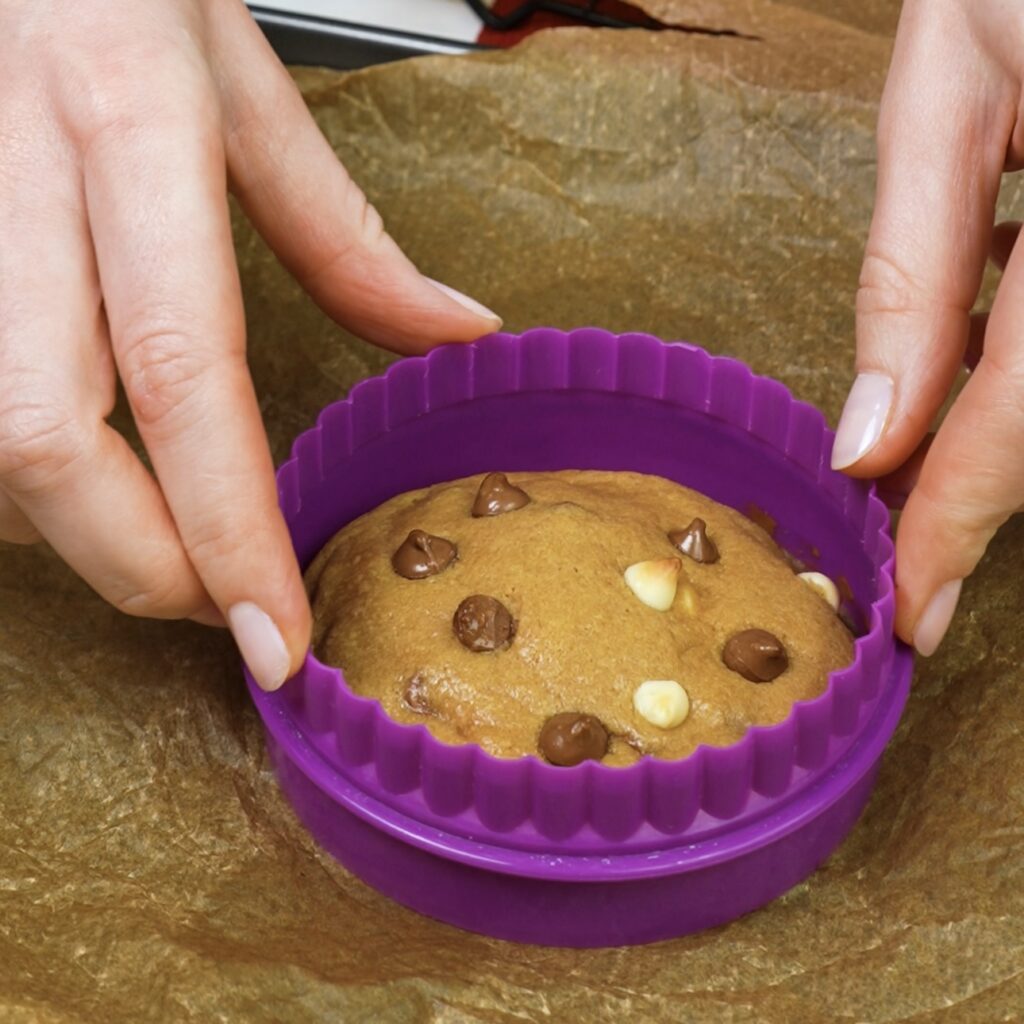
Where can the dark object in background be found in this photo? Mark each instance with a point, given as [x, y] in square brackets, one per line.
[310, 40]
[507, 21]
[508, 14]
[324, 42]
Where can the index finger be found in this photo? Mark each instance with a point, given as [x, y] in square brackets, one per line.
[943, 132]
[156, 194]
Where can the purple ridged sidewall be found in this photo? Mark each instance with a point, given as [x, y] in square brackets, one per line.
[588, 399]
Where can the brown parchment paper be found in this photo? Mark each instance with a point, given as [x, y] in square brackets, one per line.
[774, 17]
[710, 188]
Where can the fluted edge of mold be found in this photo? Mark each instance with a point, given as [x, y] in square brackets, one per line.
[524, 801]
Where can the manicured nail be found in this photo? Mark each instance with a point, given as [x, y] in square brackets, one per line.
[464, 300]
[863, 420]
[935, 619]
[261, 644]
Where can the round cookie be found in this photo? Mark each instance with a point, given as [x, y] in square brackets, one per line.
[487, 606]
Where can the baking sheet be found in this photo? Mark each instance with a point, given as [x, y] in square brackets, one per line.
[710, 188]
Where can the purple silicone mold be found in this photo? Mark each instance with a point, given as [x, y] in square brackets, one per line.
[586, 400]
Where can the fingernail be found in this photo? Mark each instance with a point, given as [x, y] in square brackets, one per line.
[261, 644]
[935, 619]
[464, 300]
[863, 420]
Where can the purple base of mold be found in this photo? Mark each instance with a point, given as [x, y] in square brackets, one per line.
[686, 890]
[588, 856]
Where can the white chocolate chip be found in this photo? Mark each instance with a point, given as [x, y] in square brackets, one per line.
[655, 582]
[662, 702]
[823, 585]
[688, 597]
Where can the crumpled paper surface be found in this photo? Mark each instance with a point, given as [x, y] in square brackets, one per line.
[710, 188]
[770, 18]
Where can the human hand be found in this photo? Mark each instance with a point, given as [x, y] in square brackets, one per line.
[122, 123]
[949, 126]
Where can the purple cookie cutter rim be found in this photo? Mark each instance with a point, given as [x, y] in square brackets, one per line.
[524, 806]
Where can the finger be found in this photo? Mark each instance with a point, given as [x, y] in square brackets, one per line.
[971, 480]
[942, 140]
[156, 192]
[313, 215]
[69, 473]
[15, 527]
[79, 482]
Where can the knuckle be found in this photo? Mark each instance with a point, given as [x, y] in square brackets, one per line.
[956, 519]
[1007, 383]
[886, 287]
[103, 93]
[367, 233]
[233, 544]
[217, 544]
[40, 439]
[161, 370]
[100, 84]
[949, 512]
[244, 133]
[369, 221]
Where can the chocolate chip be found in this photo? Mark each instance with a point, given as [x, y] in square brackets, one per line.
[417, 695]
[571, 737]
[695, 542]
[483, 624]
[421, 555]
[756, 655]
[497, 495]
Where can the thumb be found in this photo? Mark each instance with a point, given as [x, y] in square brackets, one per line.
[315, 218]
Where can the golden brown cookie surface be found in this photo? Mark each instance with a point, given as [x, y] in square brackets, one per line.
[579, 597]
